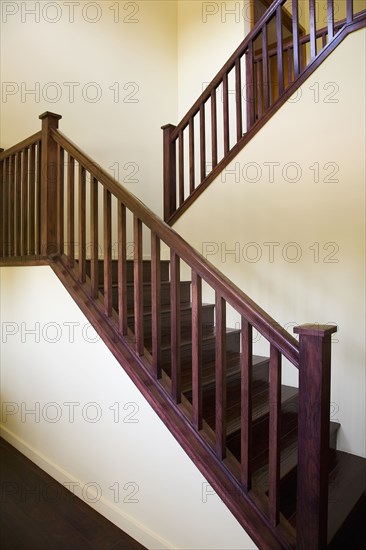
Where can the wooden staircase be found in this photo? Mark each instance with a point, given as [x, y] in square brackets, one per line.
[347, 472]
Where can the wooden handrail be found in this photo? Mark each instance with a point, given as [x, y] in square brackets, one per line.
[266, 89]
[261, 320]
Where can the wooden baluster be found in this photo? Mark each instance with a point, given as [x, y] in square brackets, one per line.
[82, 223]
[38, 198]
[122, 269]
[279, 50]
[266, 91]
[202, 141]
[32, 198]
[25, 217]
[330, 13]
[138, 286]
[49, 243]
[250, 90]
[175, 326]
[238, 100]
[225, 107]
[313, 435]
[258, 87]
[170, 184]
[324, 39]
[197, 350]
[289, 67]
[11, 204]
[220, 374]
[60, 198]
[18, 205]
[94, 250]
[181, 167]
[295, 33]
[214, 127]
[313, 48]
[191, 156]
[3, 192]
[274, 434]
[156, 304]
[246, 402]
[349, 11]
[107, 222]
[71, 210]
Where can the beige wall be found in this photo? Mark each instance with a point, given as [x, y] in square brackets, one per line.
[292, 208]
[113, 80]
[92, 429]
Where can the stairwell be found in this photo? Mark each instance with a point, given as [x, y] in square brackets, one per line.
[257, 441]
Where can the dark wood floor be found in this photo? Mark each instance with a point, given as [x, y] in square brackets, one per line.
[37, 513]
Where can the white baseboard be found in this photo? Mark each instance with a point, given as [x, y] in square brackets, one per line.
[139, 532]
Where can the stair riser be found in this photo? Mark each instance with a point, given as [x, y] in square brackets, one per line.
[185, 295]
[185, 320]
[130, 271]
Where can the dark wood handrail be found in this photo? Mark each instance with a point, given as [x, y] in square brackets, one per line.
[35, 138]
[261, 320]
[229, 65]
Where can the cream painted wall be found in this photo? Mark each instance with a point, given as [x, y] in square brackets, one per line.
[286, 222]
[107, 67]
[116, 450]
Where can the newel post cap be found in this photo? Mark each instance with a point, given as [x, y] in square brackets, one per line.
[314, 329]
[48, 114]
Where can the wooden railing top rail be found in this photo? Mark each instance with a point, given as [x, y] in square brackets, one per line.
[229, 65]
[22, 145]
[246, 307]
[241, 49]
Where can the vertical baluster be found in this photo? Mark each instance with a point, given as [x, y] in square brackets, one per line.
[295, 33]
[279, 50]
[71, 210]
[122, 270]
[170, 176]
[266, 93]
[11, 204]
[175, 326]
[214, 127]
[191, 156]
[246, 402]
[156, 304]
[197, 350]
[330, 14]
[225, 107]
[349, 11]
[60, 198]
[82, 223]
[258, 86]
[202, 141]
[220, 374]
[32, 195]
[2, 204]
[181, 167]
[18, 205]
[238, 100]
[289, 67]
[107, 222]
[250, 93]
[94, 255]
[274, 434]
[24, 214]
[312, 28]
[6, 170]
[38, 198]
[138, 286]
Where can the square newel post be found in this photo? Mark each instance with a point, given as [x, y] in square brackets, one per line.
[170, 177]
[313, 436]
[49, 245]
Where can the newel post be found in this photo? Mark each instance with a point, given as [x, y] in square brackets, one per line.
[170, 183]
[49, 245]
[313, 436]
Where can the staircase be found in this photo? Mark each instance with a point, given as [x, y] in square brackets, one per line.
[267, 449]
